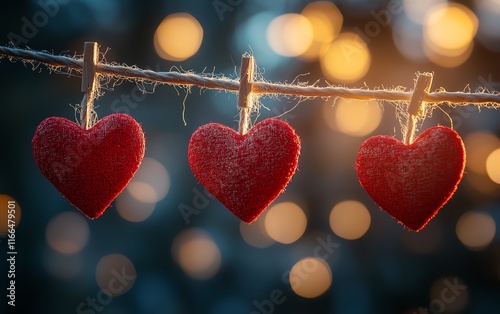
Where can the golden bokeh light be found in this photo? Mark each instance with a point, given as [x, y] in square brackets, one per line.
[493, 166]
[449, 27]
[479, 145]
[326, 21]
[285, 222]
[475, 230]
[347, 59]
[178, 37]
[197, 254]
[115, 274]
[255, 233]
[448, 61]
[142, 191]
[452, 289]
[449, 31]
[350, 219]
[130, 209]
[353, 117]
[67, 232]
[290, 34]
[310, 277]
[10, 211]
[150, 183]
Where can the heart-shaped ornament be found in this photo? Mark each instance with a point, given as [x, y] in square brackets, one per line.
[412, 182]
[245, 172]
[89, 167]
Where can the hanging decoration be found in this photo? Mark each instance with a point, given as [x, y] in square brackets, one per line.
[413, 180]
[89, 164]
[247, 170]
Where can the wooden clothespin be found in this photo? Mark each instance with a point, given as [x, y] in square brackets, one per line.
[90, 57]
[244, 97]
[422, 87]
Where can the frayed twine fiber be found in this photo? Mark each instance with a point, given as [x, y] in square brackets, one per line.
[483, 99]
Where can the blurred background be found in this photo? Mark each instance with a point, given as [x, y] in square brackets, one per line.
[166, 246]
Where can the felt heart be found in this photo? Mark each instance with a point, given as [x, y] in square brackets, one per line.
[89, 167]
[412, 182]
[245, 172]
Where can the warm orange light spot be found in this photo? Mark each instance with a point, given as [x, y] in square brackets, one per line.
[285, 222]
[130, 209]
[350, 219]
[310, 277]
[150, 183]
[476, 230]
[197, 254]
[326, 21]
[290, 34]
[493, 166]
[347, 59]
[67, 232]
[355, 118]
[10, 213]
[449, 31]
[178, 37]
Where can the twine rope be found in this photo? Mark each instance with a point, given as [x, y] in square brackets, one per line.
[257, 87]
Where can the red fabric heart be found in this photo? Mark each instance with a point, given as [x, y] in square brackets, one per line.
[412, 182]
[89, 167]
[245, 172]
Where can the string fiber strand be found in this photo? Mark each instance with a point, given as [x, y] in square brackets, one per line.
[262, 88]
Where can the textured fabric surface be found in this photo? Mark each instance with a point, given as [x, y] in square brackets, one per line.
[89, 167]
[245, 172]
[412, 182]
